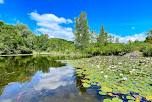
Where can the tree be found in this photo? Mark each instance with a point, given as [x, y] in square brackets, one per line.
[117, 40]
[110, 38]
[26, 34]
[81, 31]
[149, 36]
[103, 36]
[41, 42]
[92, 37]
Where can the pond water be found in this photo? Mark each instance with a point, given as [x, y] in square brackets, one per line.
[43, 79]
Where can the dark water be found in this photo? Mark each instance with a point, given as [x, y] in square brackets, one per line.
[42, 79]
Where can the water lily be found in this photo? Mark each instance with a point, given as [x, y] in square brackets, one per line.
[101, 72]
[121, 74]
[106, 76]
[119, 63]
[124, 78]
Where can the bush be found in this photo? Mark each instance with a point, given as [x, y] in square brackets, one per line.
[147, 51]
[48, 49]
[67, 52]
[24, 50]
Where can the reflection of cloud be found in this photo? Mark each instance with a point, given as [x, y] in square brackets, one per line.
[7, 100]
[55, 78]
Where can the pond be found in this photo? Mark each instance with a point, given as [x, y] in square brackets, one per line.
[92, 79]
[43, 79]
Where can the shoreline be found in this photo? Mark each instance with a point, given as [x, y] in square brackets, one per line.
[53, 54]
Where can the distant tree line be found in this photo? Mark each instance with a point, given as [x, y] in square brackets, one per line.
[105, 44]
[19, 39]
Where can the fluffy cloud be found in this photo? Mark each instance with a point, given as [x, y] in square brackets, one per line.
[50, 24]
[1, 1]
[139, 37]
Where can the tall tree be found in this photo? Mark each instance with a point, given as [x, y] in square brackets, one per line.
[93, 36]
[81, 31]
[110, 38]
[117, 40]
[103, 36]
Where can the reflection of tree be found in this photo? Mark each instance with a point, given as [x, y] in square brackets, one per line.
[79, 83]
[13, 69]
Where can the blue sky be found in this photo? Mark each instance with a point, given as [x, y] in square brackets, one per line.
[127, 19]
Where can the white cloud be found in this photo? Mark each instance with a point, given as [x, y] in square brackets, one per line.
[139, 37]
[1, 1]
[50, 24]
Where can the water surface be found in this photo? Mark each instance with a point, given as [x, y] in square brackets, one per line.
[43, 79]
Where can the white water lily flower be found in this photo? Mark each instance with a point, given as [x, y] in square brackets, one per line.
[130, 72]
[98, 66]
[106, 76]
[121, 74]
[119, 63]
[101, 72]
[133, 69]
[124, 78]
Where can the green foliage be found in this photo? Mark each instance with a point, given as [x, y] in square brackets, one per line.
[41, 42]
[57, 44]
[147, 50]
[19, 39]
[81, 33]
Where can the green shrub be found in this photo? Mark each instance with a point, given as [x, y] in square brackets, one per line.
[147, 51]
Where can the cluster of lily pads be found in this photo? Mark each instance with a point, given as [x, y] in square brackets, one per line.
[123, 78]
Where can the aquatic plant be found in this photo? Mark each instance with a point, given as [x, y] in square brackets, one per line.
[117, 75]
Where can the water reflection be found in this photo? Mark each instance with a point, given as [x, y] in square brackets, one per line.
[15, 69]
[56, 78]
[41, 79]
